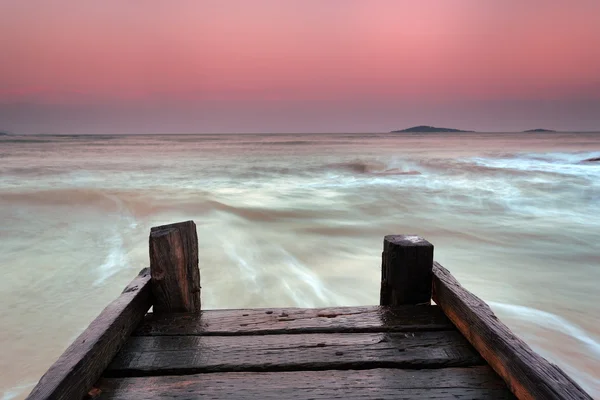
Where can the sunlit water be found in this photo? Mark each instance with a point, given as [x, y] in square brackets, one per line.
[299, 220]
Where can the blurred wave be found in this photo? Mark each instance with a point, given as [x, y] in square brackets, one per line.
[298, 220]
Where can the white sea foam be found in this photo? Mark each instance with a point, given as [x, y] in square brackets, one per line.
[116, 259]
[246, 268]
[550, 321]
[308, 277]
[557, 163]
[546, 320]
[17, 391]
[299, 298]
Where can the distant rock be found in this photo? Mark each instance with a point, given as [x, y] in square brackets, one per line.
[427, 129]
[4, 133]
[593, 159]
[538, 130]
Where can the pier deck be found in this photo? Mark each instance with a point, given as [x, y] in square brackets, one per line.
[410, 352]
[405, 348]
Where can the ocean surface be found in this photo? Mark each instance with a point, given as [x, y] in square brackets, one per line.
[299, 220]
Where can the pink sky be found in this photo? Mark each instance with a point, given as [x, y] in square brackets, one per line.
[297, 65]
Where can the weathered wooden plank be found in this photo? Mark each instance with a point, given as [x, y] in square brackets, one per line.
[447, 383]
[164, 355]
[406, 264]
[297, 320]
[174, 268]
[80, 366]
[528, 375]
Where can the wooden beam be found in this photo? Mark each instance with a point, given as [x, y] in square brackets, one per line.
[82, 364]
[406, 270]
[180, 355]
[446, 383]
[270, 321]
[174, 268]
[527, 374]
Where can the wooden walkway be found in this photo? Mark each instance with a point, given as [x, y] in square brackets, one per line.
[410, 352]
[405, 348]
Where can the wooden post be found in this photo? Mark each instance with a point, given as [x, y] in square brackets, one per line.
[406, 274]
[174, 268]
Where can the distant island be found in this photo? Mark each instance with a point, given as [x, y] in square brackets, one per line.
[425, 128]
[538, 130]
[2, 133]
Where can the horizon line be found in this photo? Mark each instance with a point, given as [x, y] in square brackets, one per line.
[8, 133]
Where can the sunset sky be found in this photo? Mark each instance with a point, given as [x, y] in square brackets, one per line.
[115, 66]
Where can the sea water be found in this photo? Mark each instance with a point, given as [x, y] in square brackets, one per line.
[298, 220]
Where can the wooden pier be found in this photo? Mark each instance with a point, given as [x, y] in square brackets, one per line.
[405, 348]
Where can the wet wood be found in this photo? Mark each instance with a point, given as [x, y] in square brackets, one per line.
[528, 375]
[76, 370]
[406, 270]
[167, 355]
[448, 383]
[174, 268]
[297, 320]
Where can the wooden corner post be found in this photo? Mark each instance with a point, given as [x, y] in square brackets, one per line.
[406, 271]
[174, 268]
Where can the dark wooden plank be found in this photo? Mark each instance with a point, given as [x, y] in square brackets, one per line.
[174, 268]
[80, 366]
[406, 264]
[447, 383]
[164, 355]
[297, 320]
[527, 374]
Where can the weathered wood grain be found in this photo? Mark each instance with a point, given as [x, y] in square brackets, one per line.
[174, 268]
[528, 375]
[447, 383]
[406, 264]
[297, 320]
[80, 366]
[167, 355]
